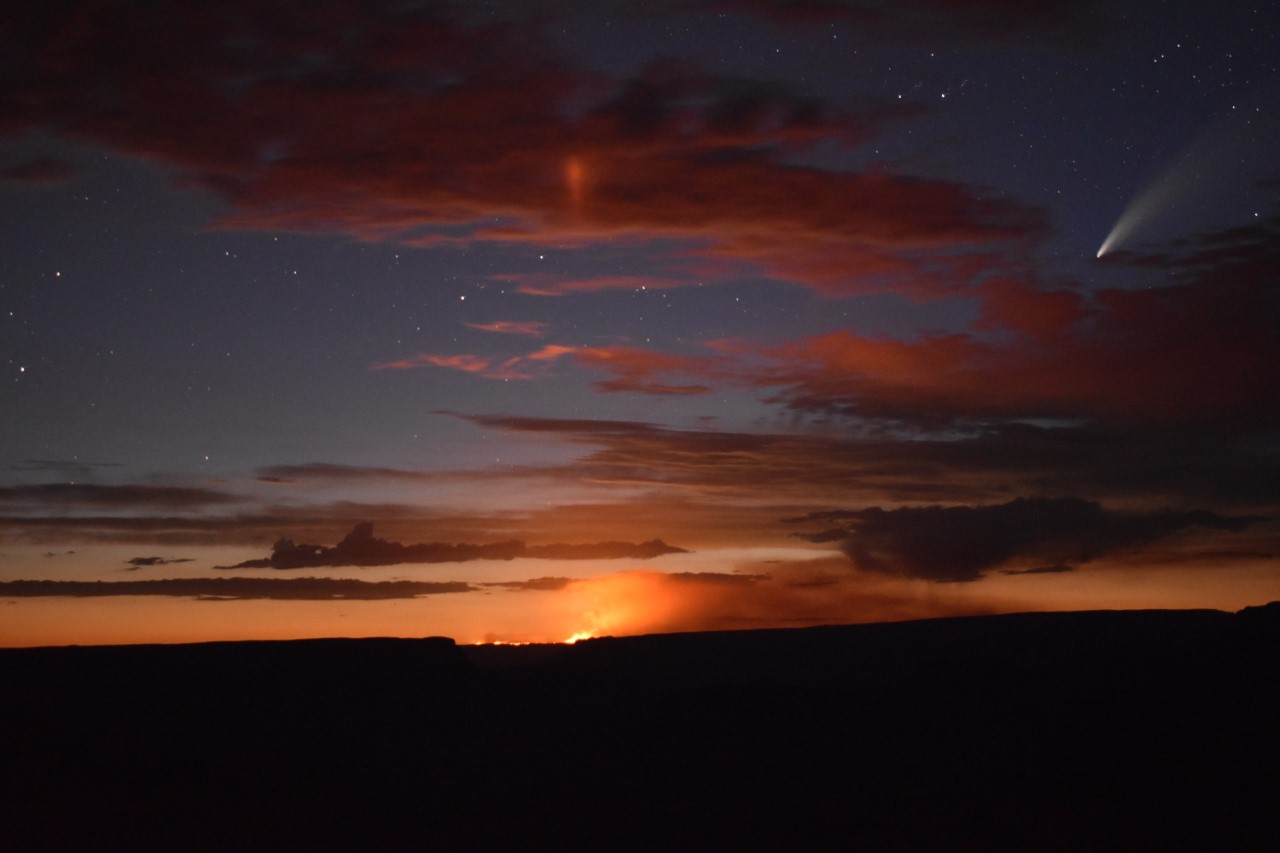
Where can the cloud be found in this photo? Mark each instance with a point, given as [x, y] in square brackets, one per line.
[390, 122]
[962, 543]
[519, 367]
[535, 585]
[529, 328]
[136, 563]
[40, 172]
[656, 389]
[636, 370]
[70, 468]
[94, 496]
[793, 594]
[546, 284]
[1056, 568]
[235, 589]
[1197, 351]
[330, 520]
[634, 367]
[325, 471]
[1194, 354]
[603, 551]
[361, 548]
[1137, 465]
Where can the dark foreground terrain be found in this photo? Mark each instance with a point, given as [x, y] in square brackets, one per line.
[1083, 731]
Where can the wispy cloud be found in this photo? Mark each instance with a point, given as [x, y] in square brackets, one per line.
[528, 328]
[361, 548]
[97, 496]
[545, 284]
[235, 589]
[521, 367]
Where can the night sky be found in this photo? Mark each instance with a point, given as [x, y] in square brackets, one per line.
[621, 318]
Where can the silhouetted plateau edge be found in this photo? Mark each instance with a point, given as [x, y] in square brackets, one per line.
[1047, 731]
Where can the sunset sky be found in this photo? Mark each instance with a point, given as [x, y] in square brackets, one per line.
[866, 310]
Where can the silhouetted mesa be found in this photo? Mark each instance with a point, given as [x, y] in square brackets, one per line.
[1149, 730]
[361, 548]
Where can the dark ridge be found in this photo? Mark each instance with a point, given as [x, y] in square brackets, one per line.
[1056, 731]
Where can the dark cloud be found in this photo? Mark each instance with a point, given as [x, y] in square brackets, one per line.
[717, 578]
[235, 589]
[1194, 465]
[603, 551]
[189, 530]
[92, 496]
[535, 585]
[835, 534]
[1246, 251]
[42, 172]
[361, 548]
[1056, 568]
[144, 562]
[323, 471]
[961, 543]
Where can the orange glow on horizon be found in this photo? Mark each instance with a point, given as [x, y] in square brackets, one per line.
[766, 594]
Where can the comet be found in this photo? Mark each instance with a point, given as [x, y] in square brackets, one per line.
[1210, 174]
[1148, 207]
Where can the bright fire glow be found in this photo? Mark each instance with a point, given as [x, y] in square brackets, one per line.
[581, 635]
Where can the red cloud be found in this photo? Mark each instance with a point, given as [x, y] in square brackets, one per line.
[531, 328]
[394, 124]
[636, 369]
[543, 284]
[516, 367]
[654, 388]
[1207, 349]
[1203, 350]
